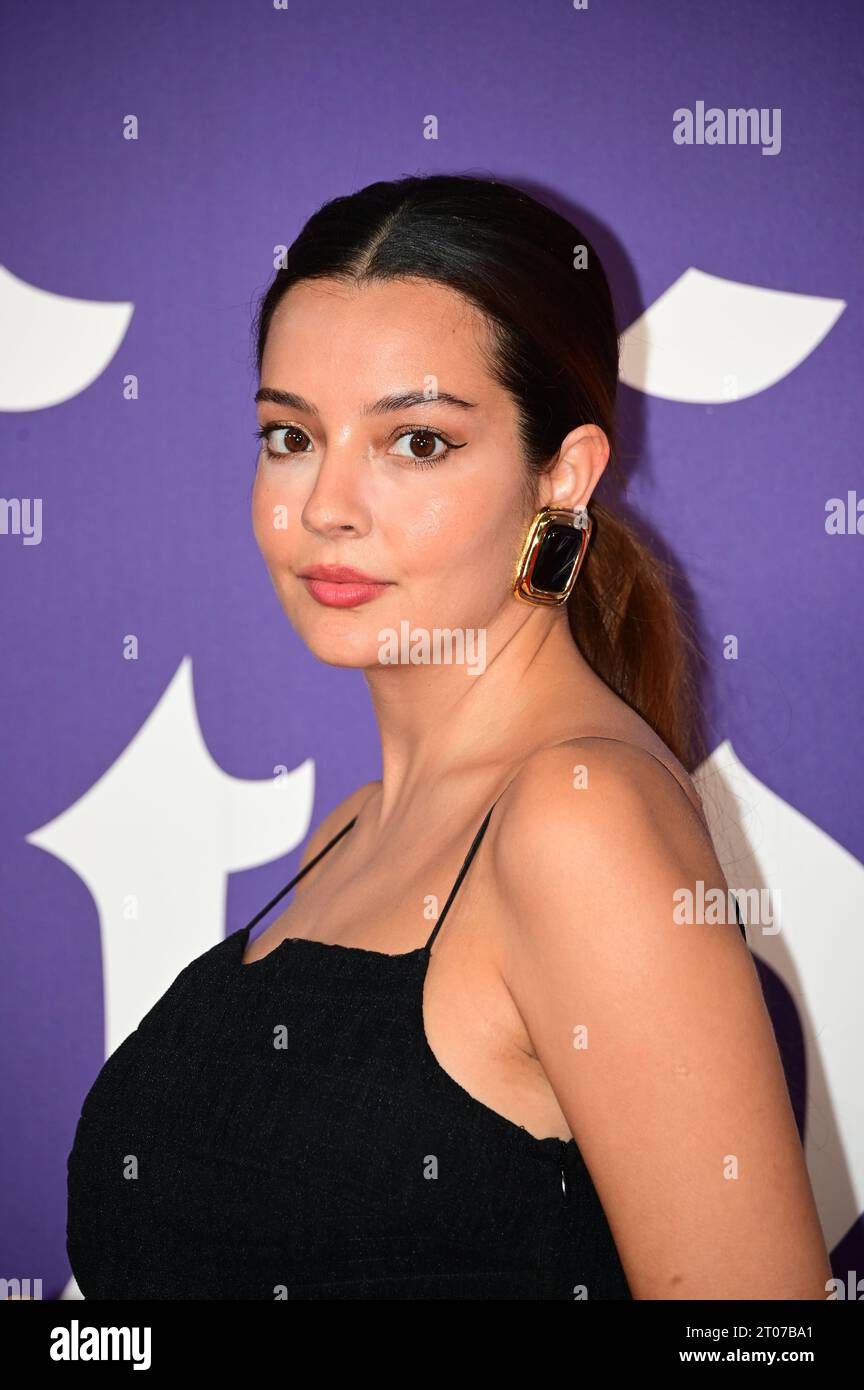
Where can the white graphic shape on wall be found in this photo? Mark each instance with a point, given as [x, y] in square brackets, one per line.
[818, 953]
[157, 837]
[711, 341]
[52, 347]
[166, 825]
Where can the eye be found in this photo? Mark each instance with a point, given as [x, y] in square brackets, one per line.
[297, 441]
[293, 436]
[426, 436]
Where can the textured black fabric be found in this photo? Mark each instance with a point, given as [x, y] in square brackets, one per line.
[296, 1138]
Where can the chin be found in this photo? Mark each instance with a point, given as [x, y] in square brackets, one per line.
[358, 650]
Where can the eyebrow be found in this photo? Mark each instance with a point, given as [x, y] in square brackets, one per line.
[399, 400]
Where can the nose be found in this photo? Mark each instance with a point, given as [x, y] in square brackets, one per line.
[335, 503]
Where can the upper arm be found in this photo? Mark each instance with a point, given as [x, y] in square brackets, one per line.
[333, 823]
[653, 1034]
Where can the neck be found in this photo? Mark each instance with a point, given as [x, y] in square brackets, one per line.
[442, 728]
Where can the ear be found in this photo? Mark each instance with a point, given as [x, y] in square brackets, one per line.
[577, 468]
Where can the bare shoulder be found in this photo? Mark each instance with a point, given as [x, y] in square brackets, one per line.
[598, 830]
[601, 787]
[335, 820]
[652, 1031]
[621, 767]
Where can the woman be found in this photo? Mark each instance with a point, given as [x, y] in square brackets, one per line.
[565, 1093]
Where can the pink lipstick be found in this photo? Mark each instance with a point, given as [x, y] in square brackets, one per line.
[340, 586]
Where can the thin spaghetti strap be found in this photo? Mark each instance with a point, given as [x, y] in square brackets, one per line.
[741, 925]
[475, 844]
[304, 870]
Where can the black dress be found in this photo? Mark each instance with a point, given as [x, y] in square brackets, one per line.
[282, 1129]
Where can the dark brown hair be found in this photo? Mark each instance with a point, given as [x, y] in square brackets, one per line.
[554, 349]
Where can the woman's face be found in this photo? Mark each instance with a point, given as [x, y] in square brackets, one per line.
[360, 481]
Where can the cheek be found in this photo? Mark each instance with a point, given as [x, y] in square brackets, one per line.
[461, 534]
[426, 527]
[271, 517]
[435, 548]
[457, 556]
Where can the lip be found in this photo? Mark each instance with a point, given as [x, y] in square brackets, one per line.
[340, 586]
[339, 574]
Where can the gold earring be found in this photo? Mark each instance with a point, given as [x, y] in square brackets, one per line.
[552, 555]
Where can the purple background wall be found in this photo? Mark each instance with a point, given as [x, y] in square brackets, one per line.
[249, 118]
